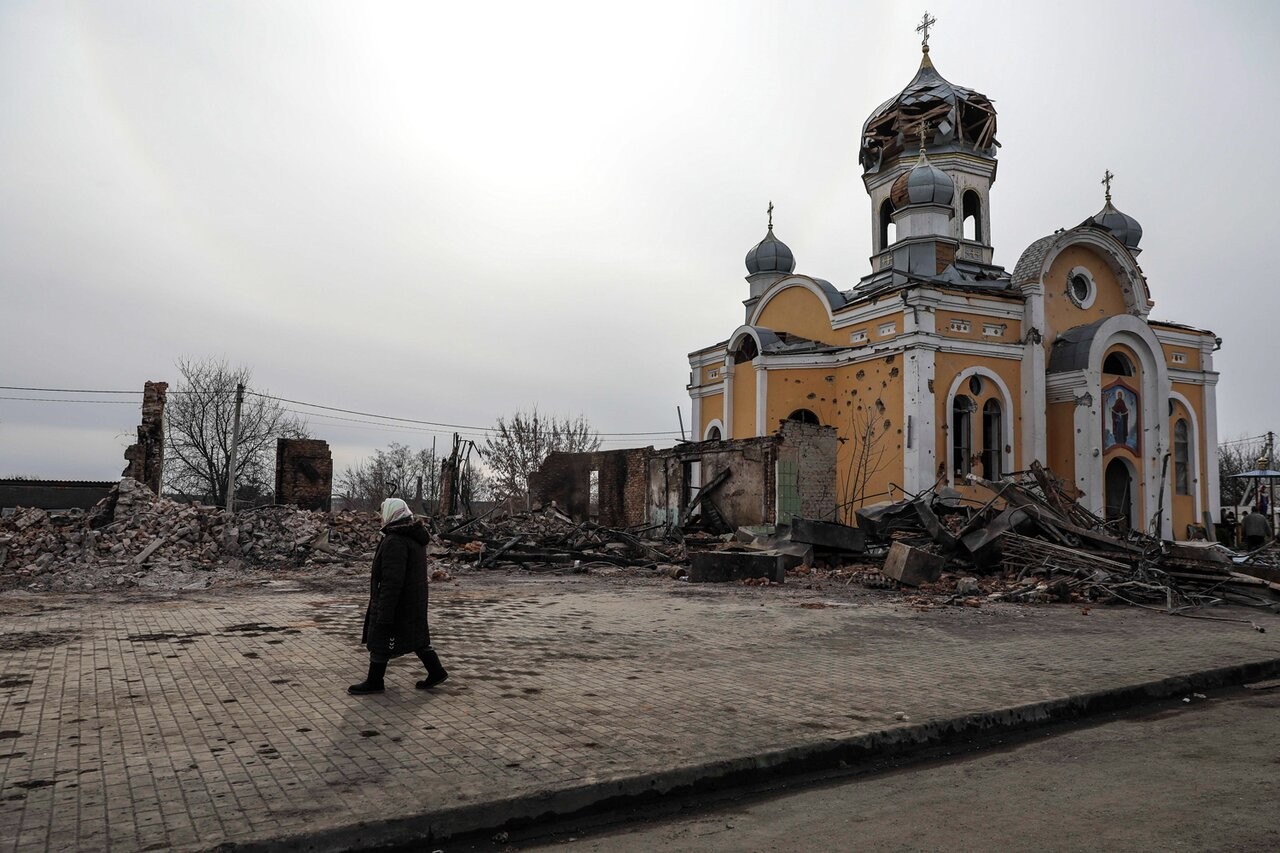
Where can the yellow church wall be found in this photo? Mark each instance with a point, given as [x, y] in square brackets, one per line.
[1195, 396]
[744, 400]
[799, 311]
[1060, 443]
[1191, 357]
[1060, 312]
[949, 365]
[712, 410]
[1012, 330]
[863, 401]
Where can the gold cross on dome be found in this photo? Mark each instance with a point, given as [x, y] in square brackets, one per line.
[926, 22]
[1106, 181]
[770, 215]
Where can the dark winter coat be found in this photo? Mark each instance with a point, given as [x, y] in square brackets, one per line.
[395, 622]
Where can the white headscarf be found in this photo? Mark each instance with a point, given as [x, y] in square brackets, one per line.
[394, 509]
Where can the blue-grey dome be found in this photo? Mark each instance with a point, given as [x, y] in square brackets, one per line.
[923, 184]
[770, 255]
[1121, 225]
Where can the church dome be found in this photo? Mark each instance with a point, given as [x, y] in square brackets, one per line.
[770, 255]
[1121, 225]
[956, 119]
[923, 184]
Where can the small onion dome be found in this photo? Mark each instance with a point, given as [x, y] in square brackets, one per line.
[1121, 225]
[923, 184]
[770, 255]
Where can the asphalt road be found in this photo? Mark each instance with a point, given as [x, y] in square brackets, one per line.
[1178, 776]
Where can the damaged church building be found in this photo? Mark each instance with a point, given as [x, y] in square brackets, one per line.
[939, 363]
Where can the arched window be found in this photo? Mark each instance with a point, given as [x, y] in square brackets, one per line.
[1181, 458]
[992, 431]
[971, 216]
[888, 231]
[1117, 364]
[746, 351]
[961, 435]
[804, 416]
[713, 434]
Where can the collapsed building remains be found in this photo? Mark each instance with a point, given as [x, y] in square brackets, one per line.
[304, 473]
[722, 485]
[146, 458]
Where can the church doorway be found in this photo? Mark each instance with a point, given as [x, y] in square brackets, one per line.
[1119, 492]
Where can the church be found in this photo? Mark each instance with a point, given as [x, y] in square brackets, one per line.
[940, 364]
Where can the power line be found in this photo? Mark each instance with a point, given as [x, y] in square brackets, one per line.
[49, 400]
[484, 431]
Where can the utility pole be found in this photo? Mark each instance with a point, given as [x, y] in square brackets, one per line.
[235, 440]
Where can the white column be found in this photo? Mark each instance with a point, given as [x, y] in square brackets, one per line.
[728, 396]
[919, 411]
[1034, 444]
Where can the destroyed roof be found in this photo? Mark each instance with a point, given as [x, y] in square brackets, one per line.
[1071, 350]
[956, 119]
[975, 278]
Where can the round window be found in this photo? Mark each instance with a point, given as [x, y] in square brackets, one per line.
[1080, 289]
[975, 385]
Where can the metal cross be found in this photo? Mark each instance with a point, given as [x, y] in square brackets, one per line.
[770, 215]
[925, 23]
[1106, 180]
[922, 129]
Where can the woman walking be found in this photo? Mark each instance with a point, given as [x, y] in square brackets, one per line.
[395, 622]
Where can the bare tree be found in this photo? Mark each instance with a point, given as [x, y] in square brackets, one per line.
[867, 430]
[199, 416]
[521, 443]
[1236, 457]
[393, 472]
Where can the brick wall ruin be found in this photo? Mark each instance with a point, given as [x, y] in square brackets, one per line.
[620, 485]
[646, 486]
[304, 473]
[146, 458]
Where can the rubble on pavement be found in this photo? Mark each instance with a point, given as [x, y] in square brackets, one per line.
[135, 538]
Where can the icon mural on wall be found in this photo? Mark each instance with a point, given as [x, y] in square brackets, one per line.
[1120, 422]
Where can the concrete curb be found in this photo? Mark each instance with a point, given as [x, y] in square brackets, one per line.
[526, 809]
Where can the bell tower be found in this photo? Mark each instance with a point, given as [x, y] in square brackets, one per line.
[956, 128]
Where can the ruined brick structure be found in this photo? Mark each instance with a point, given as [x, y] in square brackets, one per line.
[146, 458]
[645, 486]
[620, 485]
[304, 473]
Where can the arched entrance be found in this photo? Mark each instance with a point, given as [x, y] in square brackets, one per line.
[1118, 485]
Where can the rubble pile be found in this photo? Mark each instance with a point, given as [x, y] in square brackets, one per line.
[547, 539]
[134, 538]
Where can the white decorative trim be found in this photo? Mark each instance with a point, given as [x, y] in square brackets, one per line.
[714, 423]
[1195, 454]
[696, 416]
[1006, 419]
[1214, 495]
[1091, 296]
[1193, 377]
[1035, 413]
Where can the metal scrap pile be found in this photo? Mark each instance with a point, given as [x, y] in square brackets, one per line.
[549, 540]
[134, 538]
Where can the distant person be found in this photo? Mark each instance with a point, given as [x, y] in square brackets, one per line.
[1257, 529]
[395, 623]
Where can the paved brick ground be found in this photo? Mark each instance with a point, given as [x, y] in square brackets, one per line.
[187, 722]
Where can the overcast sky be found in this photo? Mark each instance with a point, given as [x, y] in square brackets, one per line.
[450, 211]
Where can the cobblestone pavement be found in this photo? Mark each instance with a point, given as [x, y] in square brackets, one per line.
[190, 721]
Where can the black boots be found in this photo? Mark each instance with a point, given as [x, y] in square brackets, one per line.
[374, 684]
[435, 672]
[371, 684]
